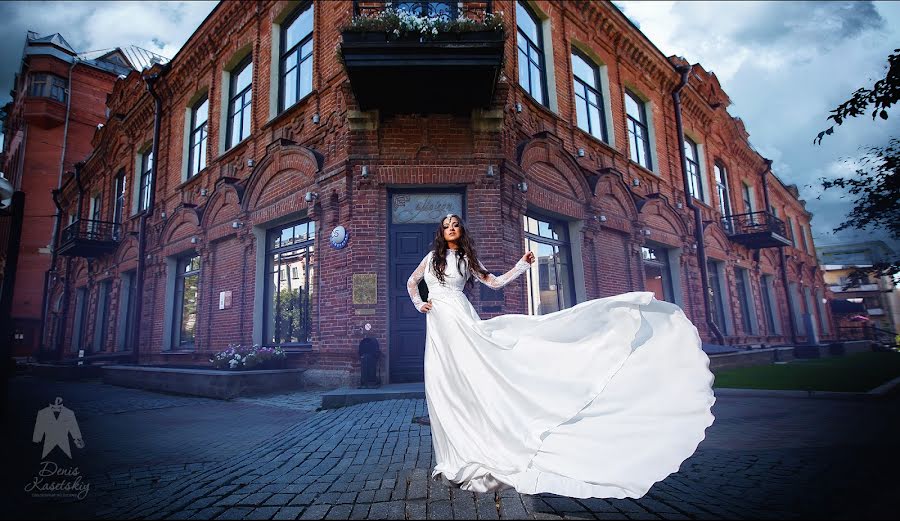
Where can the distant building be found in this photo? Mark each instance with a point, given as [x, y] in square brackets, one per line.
[878, 296]
[59, 98]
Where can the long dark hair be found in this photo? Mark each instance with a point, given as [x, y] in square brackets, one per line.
[465, 251]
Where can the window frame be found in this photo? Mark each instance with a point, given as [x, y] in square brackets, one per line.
[661, 262]
[690, 144]
[285, 54]
[145, 180]
[181, 273]
[563, 242]
[309, 246]
[119, 191]
[631, 123]
[744, 294]
[203, 130]
[245, 96]
[538, 48]
[596, 89]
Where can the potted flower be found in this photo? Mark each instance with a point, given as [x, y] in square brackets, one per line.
[238, 357]
[394, 24]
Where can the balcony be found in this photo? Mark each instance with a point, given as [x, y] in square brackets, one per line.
[451, 72]
[756, 230]
[44, 112]
[88, 238]
[862, 287]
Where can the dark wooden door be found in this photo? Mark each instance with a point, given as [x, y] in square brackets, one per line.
[409, 243]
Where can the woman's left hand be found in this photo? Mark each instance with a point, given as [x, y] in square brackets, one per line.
[528, 257]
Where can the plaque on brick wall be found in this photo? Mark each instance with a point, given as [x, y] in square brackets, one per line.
[365, 289]
[424, 207]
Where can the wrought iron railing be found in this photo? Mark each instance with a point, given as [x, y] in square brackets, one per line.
[754, 222]
[853, 333]
[448, 10]
[91, 230]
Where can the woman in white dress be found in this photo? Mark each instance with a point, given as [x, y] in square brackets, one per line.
[602, 399]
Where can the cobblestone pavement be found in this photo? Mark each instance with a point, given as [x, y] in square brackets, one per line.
[157, 456]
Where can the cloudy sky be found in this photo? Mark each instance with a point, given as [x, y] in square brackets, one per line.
[783, 64]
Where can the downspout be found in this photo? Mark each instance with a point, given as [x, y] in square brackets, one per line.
[50, 273]
[142, 226]
[54, 235]
[684, 70]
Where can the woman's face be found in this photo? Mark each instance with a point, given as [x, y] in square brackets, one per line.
[452, 229]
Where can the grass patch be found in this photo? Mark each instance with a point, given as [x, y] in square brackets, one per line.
[859, 372]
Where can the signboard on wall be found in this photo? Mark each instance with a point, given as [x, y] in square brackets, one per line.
[424, 208]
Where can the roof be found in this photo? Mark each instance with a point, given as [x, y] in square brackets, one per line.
[54, 39]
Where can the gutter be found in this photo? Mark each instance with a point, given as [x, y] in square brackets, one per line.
[142, 226]
[685, 70]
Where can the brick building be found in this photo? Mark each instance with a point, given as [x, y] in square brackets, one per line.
[59, 98]
[222, 179]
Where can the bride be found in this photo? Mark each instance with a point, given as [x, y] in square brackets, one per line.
[602, 399]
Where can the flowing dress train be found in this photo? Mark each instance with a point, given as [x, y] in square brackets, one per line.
[602, 399]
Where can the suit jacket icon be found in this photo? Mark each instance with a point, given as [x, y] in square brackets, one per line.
[55, 430]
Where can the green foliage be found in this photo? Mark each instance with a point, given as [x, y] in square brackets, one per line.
[398, 24]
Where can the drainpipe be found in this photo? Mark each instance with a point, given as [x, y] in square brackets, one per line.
[54, 235]
[45, 310]
[142, 226]
[765, 183]
[684, 70]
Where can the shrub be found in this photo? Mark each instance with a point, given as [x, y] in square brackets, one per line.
[240, 357]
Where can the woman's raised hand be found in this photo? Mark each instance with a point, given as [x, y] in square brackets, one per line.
[528, 257]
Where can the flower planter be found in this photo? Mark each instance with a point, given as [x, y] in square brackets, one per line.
[365, 36]
[482, 36]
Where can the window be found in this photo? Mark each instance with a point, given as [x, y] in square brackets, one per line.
[554, 288]
[588, 98]
[119, 208]
[767, 304]
[722, 192]
[638, 132]
[715, 295]
[530, 43]
[296, 57]
[198, 135]
[445, 10]
[790, 225]
[128, 299]
[802, 236]
[146, 176]
[239, 100]
[743, 293]
[47, 86]
[657, 276]
[288, 310]
[748, 202]
[101, 326]
[693, 167]
[187, 279]
[95, 217]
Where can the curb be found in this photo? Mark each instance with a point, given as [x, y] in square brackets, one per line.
[878, 392]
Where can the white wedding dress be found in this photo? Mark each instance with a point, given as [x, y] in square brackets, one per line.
[602, 399]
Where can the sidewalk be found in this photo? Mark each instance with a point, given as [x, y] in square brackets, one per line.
[153, 456]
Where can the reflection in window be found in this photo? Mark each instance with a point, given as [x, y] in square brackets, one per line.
[187, 279]
[446, 9]
[638, 133]
[722, 192]
[554, 288]
[197, 150]
[296, 57]
[290, 265]
[657, 275]
[588, 98]
[715, 294]
[47, 86]
[240, 98]
[146, 176]
[530, 44]
[743, 293]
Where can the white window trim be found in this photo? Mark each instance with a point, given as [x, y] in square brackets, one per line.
[701, 161]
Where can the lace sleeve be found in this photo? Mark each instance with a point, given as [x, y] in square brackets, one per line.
[498, 282]
[412, 283]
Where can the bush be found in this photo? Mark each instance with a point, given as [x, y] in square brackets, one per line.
[239, 357]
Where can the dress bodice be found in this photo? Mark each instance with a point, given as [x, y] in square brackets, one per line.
[454, 279]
